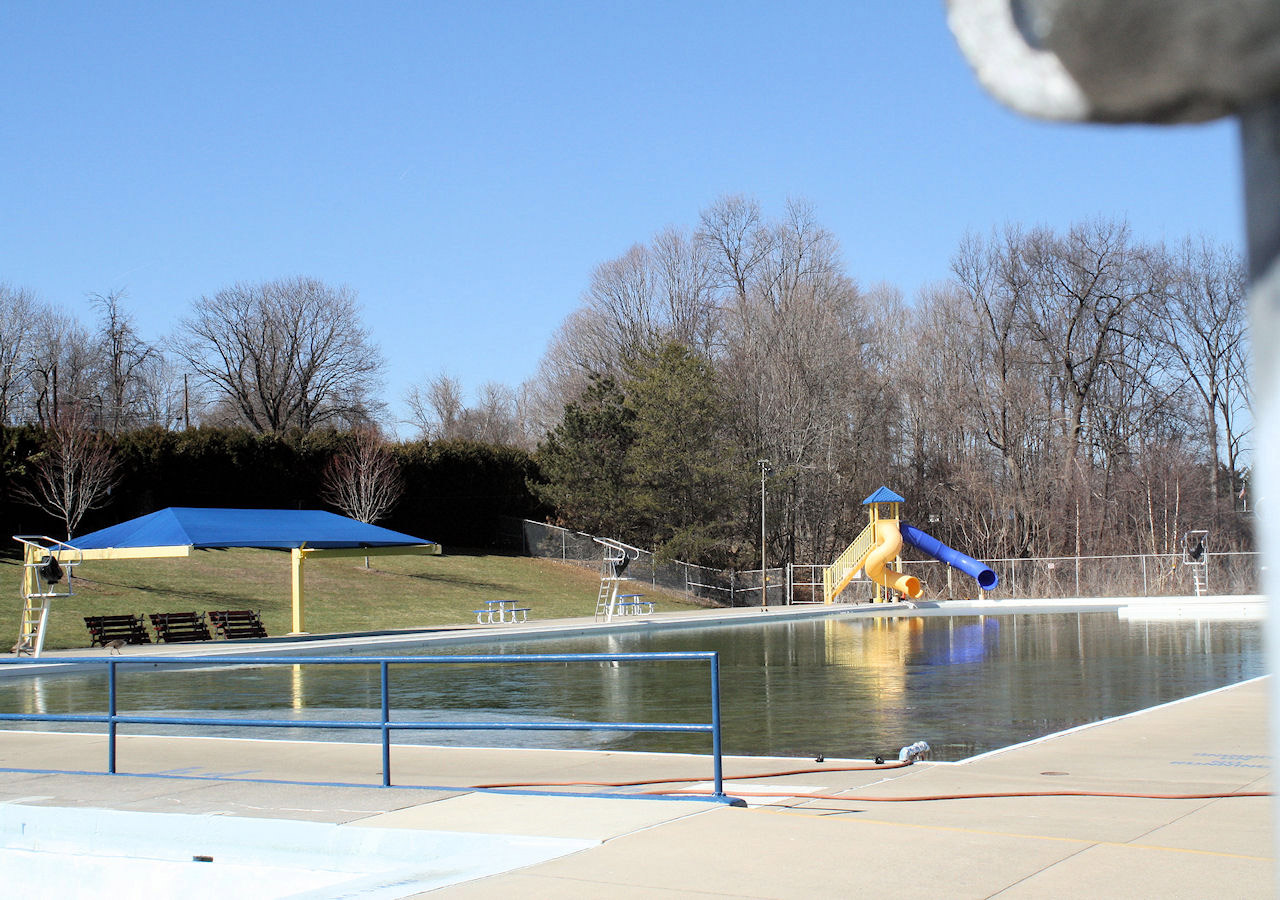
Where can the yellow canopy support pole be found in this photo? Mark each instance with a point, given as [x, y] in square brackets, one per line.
[298, 556]
[30, 556]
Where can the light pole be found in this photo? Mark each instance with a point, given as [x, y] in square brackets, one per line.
[764, 571]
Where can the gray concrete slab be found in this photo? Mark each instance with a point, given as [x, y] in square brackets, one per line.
[592, 818]
[777, 854]
[1113, 870]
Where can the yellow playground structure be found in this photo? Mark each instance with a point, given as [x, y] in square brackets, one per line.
[880, 544]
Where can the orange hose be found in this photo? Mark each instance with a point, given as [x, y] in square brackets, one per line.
[514, 784]
[984, 796]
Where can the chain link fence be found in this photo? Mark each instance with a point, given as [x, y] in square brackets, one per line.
[719, 587]
[1140, 575]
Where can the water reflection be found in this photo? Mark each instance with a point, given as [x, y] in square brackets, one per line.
[837, 686]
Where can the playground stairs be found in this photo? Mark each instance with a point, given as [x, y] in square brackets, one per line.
[41, 574]
[836, 577]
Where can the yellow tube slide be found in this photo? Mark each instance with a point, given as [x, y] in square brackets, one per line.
[888, 545]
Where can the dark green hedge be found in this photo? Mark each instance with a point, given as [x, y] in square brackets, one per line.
[455, 491]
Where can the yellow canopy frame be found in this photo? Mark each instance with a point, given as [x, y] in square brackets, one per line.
[298, 555]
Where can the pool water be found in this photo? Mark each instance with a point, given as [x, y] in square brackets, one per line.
[839, 686]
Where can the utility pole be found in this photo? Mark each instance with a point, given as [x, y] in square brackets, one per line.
[764, 571]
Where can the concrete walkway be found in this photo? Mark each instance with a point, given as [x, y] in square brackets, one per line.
[778, 847]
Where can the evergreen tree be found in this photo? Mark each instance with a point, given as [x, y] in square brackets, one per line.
[584, 462]
[682, 467]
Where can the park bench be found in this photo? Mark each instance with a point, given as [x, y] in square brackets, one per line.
[183, 627]
[233, 624]
[128, 628]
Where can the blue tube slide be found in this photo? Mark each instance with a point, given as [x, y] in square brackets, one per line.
[931, 546]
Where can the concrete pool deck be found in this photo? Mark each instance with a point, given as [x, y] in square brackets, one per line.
[621, 846]
[777, 847]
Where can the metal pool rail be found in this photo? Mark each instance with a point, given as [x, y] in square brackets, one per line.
[112, 717]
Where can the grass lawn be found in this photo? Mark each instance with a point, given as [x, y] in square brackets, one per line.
[341, 595]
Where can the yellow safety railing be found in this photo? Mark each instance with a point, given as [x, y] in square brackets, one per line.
[836, 577]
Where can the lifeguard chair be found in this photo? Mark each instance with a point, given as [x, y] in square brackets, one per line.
[46, 563]
[617, 556]
[1195, 554]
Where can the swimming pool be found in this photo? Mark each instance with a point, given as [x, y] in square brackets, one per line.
[847, 686]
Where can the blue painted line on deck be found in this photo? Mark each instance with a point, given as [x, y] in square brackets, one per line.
[448, 789]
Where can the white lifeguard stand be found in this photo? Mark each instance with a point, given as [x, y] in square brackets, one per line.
[617, 556]
[46, 563]
[1195, 553]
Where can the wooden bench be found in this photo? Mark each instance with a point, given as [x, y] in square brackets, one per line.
[233, 624]
[128, 628]
[177, 628]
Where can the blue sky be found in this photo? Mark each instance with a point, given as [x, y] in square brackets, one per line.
[464, 166]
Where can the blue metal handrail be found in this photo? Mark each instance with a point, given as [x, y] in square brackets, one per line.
[112, 717]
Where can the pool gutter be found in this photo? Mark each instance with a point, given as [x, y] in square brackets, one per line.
[1213, 607]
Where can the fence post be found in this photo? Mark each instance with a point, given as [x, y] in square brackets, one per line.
[715, 725]
[111, 717]
[386, 730]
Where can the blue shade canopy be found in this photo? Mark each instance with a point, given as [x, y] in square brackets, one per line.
[884, 495]
[273, 529]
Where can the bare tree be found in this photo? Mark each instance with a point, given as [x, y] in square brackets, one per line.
[74, 472]
[161, 396]
[18, 310]
[63, 368]
[798, 361]
[125, 356]
[1085, 286]
[440, 413]
[1205, 328]
[1002, 399]
[363, 480]
[284, 354]
[737, 242]
[654, 293]
[437, 407]
[494, 418]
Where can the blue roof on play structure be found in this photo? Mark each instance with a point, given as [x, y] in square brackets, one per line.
[274, 529]
[883, 495]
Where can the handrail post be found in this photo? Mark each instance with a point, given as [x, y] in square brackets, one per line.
[385, 668]
[715, 725]
[111, 717]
